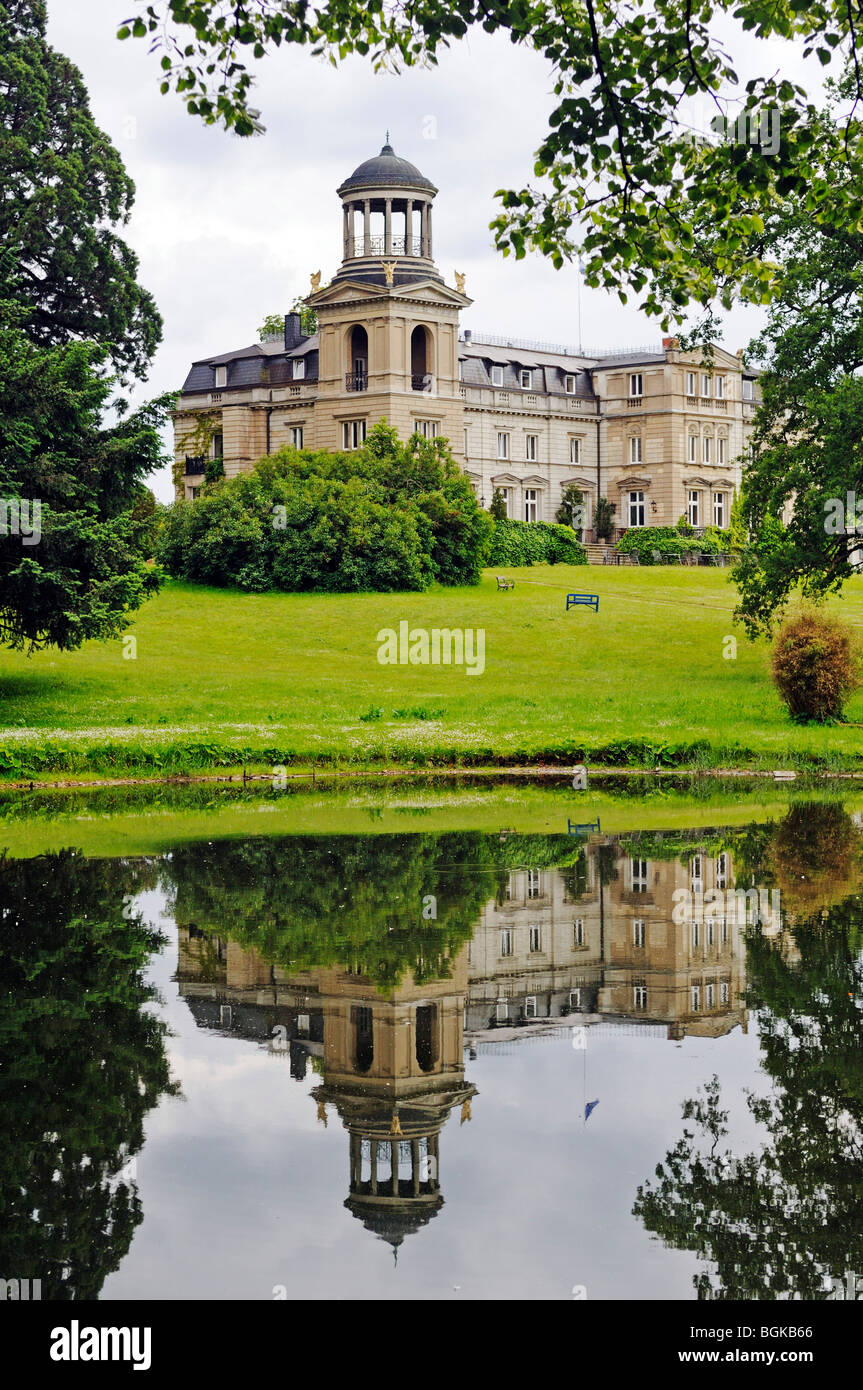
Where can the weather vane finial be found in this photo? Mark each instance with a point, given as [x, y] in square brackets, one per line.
[388, 135]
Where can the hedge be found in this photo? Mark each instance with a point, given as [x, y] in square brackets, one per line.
[534, 543]
[668, 541]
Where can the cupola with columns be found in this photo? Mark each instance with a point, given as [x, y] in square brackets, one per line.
[387, 322]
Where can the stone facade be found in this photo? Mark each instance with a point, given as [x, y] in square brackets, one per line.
[659, 432]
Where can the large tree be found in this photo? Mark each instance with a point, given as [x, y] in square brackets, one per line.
[64, 194]
[806, 453]
[619, 178]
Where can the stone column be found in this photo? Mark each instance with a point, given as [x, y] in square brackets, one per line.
[367, 234]
[409, 227]
[415, 1165]
[373, 1170]
[424, 207]
[349, 250]
[394, 1157]
[429, 231]
[388, 226]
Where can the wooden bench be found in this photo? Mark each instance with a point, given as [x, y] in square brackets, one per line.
[504, 583]
[588, 600]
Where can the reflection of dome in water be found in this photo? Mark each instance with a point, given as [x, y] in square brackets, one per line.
[393, 1220]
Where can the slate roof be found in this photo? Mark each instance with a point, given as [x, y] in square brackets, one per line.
[385, 169]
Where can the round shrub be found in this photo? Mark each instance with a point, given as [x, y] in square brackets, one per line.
[814, 667]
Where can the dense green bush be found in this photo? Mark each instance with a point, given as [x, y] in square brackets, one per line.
[668, 541]
[385, 518]
[814, 667]
[535, 543]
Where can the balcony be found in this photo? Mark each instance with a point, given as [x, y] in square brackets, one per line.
[399, 246]
[634, 402]
[357, 381]
[422, 382]
[194, 465]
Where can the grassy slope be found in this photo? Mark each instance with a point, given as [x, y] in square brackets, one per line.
[246, 676]
[109, 823]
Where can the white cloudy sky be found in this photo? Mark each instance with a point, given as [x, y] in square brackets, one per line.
[228, 230]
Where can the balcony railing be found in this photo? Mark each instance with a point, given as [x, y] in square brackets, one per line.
[399, 246]
[424, 382]
[357, 381]
[194, 464]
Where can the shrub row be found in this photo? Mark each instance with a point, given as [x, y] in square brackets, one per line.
[534, 543]
[668, 541]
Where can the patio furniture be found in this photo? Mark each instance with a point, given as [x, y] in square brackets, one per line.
[504, 583]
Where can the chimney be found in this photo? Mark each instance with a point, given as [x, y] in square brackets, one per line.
[293, 333]
[467, 333]
[669, 344]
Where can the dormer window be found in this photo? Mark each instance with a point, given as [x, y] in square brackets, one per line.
[748, 389]
[299, 368]
[525, 380]
[569, 384]
[497, 376]
[221, 377]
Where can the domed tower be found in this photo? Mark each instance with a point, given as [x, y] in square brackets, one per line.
[387, 322]
[387, 207]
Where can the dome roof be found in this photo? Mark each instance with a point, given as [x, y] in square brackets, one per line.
[385, 169]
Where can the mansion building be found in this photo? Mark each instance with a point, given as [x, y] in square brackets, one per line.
[660, 433]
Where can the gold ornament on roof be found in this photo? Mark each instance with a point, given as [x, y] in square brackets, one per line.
[459, 282]
[389, 270]
[316, 281]
[465, 1112]
[395, 1127]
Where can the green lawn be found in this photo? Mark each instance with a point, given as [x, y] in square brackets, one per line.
[222, 678]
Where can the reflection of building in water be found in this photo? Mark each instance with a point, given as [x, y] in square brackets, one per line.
[391, 1065]
[606, 944]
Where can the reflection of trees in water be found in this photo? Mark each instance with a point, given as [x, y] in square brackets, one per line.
[783, 1221]
[82, 1064]
[312, 901]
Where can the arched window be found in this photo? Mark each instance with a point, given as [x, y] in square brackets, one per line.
[358, 359]
[426, 1037]
[422, 365]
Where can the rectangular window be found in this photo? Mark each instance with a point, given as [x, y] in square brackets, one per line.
[497, 376]
[531, 503]
[530, 1006]
[575, 451]
[461, 369]
[696, 873]
[708, 446]
[466, 450]
[531, 447]
[535, 935]
[693, 448]
[501, 1011]
[221, 377]
[525, 380]
[635, 449]
[578, 932]
[705, 384]
[691, 381]
[748, 389]
[724, 991]
[636, 509]
[299, 368]
[575, 998]
[297, 436]
[635, 380]
[719, 387]
[505, 493]
[638, 930]
[720, 449]
[427, 428]
[506, 942]
[695, 998]
[719, 509]
[218, 444]
[721, 869]
[502, 444]
[710, 930]
[725, 931]
[710, 996]
[638, 875]
[569, 384]
[696, 936]
[692, 508]
[353, 434]
[639, 997]
[534, 883]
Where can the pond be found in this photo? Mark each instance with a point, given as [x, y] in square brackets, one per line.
[480, 1043]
